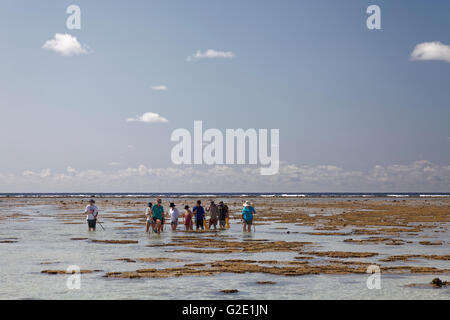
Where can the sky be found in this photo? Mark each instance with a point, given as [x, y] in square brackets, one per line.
[93, 109]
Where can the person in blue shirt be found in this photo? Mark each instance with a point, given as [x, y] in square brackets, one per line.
[199, 213]
[247, 216]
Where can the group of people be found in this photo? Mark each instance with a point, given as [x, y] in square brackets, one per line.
[218, 214]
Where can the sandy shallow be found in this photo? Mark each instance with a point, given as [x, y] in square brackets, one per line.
[313, 248]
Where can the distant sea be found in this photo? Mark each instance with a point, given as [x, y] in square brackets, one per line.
[228, 194]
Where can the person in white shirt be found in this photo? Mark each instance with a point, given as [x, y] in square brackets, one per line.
[149, 214]
[173, 212]
[92, 213]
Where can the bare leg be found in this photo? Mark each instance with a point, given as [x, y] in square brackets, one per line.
[158, 226]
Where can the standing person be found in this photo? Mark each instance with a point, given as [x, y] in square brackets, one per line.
[199, 215]
[173, 213]
[149, 214]
[187, 218]
[158, 213]
[92, 213]
[223, 214]
[214, 211]
[247, 215]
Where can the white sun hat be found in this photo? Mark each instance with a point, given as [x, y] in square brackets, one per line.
[247, 204]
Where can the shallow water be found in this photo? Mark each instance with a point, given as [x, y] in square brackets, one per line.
[44, 238]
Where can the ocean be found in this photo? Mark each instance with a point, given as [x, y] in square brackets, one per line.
[38, 232]
[228, 194]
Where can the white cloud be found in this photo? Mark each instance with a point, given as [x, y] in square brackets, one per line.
[43, 174]
[148, 117]
[160, 88]
[431, 51]
[65, 44]
[71, 170]
[114, 163]
[210, 54]
[419, 176]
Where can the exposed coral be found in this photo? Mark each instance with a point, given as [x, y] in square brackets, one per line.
[430, 243]
[116, 241]
[229, 291]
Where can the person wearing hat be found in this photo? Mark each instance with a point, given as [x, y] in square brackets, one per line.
[247, 216]
[187, 218]
[223, 214]
[214, 211]
[158, 215]
[149, 214]
[92, 213]
[173, 213]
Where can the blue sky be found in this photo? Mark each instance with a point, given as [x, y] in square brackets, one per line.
[343, 96]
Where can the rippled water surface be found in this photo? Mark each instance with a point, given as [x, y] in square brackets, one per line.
[44, 242]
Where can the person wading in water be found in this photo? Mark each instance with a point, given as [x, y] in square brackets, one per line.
[223, 214]
[158, 214]
[187, 218]
[199, 213]
[92, 213]
[247, 215]
[214, 211]
[173, 213]
[149, 214]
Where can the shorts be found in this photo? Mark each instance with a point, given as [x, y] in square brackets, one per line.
[222, 223]
[248, 221]
[154, 220]
[213, 221]
[91, 223]
[174, 223]
[199, 223]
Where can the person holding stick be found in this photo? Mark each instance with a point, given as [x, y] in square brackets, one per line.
[92, 213]
[247, 216]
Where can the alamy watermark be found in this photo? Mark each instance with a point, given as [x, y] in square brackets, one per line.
[374, 281]
[74, 20]
[373, 22]
[74, 280]
[207, 147]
